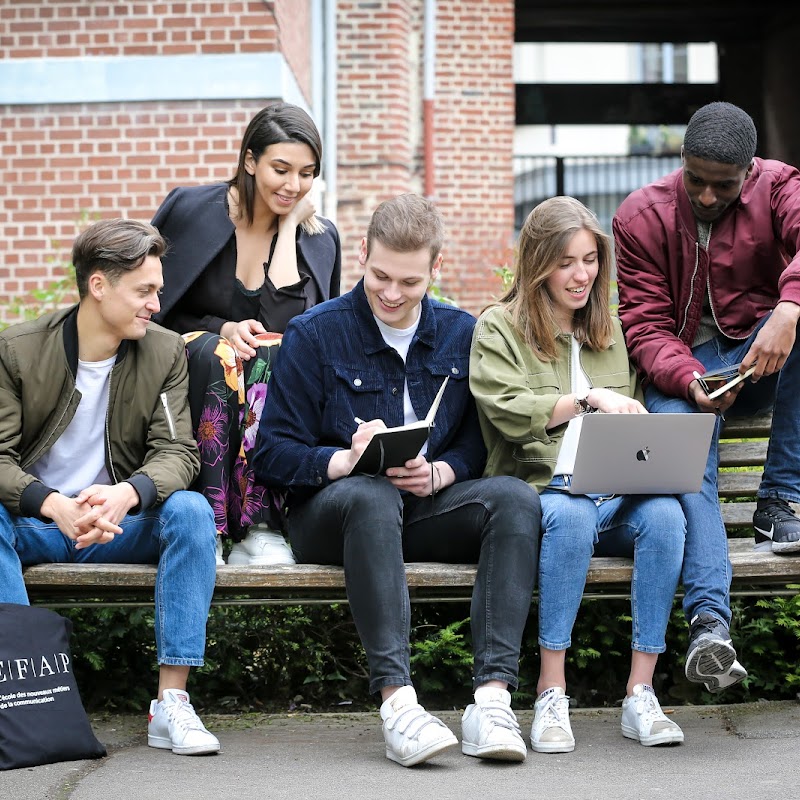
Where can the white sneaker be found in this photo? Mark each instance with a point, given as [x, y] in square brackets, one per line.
[262, 547]
[411, 734]
[551, 731]
[174, 725]
[220, 559]
[489, 728]
[643, 719]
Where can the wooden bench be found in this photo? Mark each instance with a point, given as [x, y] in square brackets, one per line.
[753, 573]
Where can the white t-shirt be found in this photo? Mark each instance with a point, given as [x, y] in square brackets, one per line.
[78, 457]
[565, 465]
[400, 340]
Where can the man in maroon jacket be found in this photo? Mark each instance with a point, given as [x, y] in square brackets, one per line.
[708, 263]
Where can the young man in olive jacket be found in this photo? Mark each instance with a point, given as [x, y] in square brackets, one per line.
[96, 450]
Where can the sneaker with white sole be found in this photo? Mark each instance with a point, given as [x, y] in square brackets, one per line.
[644, 721]
[220, 559]
[711, 658]
[551, 731]
[174, 725]
[412, 735]
[261, 547]
[777, 526]
[489, 728]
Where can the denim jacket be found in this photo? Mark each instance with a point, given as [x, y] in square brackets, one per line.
[333, 365]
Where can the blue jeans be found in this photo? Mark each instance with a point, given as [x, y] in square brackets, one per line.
[706, 568]
[649, 528]
[366, 525]
[178, 535]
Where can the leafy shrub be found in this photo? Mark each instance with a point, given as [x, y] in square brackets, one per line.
[279, 658]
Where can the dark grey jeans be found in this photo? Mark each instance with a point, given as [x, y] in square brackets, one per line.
[366, 525]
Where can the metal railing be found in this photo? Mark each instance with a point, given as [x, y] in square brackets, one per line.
[601, 182]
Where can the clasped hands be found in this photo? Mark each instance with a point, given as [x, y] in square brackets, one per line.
[93, 516]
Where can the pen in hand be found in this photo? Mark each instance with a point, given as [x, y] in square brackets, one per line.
[359, 421]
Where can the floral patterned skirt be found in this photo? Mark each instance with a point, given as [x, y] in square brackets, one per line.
[226, 397]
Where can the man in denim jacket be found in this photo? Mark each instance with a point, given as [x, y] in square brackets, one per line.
[347, 368]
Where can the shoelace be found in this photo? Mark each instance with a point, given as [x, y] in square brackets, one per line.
[556, 711]
[778, 510]
[501, 715]
[410, 721]
[706, 623]
[183, 715]
[647, 706]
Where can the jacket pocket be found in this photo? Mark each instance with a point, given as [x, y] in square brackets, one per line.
[357, 394]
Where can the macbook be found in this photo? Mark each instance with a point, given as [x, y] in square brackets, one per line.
[642, 453]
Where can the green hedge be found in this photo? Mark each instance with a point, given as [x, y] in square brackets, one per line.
[282, 658]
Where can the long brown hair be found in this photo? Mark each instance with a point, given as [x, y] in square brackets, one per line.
[542, 242]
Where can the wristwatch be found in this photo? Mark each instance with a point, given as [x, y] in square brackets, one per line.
[582, 404]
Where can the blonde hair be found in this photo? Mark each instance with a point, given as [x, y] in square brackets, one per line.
[543, 240]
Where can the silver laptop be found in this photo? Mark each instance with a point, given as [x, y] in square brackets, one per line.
[642, 453]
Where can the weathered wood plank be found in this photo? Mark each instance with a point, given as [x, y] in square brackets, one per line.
[425, 580]
[742, 454]
[738, 484]
[755, 427]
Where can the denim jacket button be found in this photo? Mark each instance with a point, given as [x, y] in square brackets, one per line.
[394, 390]
[454, 370]
[357, 382]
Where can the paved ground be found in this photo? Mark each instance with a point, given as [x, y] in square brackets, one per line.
[731, 752]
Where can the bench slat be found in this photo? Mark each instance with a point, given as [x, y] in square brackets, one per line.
[66, 580]
[742, 454]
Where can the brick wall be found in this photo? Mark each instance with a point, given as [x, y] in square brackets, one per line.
[69, 28]
[103, 159]
[380, 90]
[61, 163]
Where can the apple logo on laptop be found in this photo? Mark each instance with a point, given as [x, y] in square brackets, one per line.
[643, 454]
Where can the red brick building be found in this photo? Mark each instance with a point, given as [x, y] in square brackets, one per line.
[104, 107]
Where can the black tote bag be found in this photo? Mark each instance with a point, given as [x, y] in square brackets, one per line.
[42, 718]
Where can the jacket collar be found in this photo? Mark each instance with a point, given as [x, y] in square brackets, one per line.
[371, 334]
[71, 341]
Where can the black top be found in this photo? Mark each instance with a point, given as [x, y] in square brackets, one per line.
[200, 286]
[218, 296]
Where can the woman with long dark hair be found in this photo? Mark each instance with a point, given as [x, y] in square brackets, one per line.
[245, 257]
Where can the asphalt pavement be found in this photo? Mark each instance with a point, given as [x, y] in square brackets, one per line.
[731, 752]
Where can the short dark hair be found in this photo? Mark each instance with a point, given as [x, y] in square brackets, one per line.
[279, 122]
[406, 223]
[721, 132]
[113, 247]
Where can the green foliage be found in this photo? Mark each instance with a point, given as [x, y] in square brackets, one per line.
[435, 291]
[278, 658]
[441, 658]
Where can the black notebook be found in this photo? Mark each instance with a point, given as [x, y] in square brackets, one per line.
[717, 382]
[394, 446]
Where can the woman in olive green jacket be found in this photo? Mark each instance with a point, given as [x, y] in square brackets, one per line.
[545, 355]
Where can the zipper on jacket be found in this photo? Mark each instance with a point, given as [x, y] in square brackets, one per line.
[35, 456]
[691, 284]
[109, 460]
[168, 413]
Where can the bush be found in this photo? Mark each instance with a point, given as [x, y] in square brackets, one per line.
[282, 658]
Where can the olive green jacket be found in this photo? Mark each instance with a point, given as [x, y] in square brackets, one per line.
[149, 440]
[516, 394]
